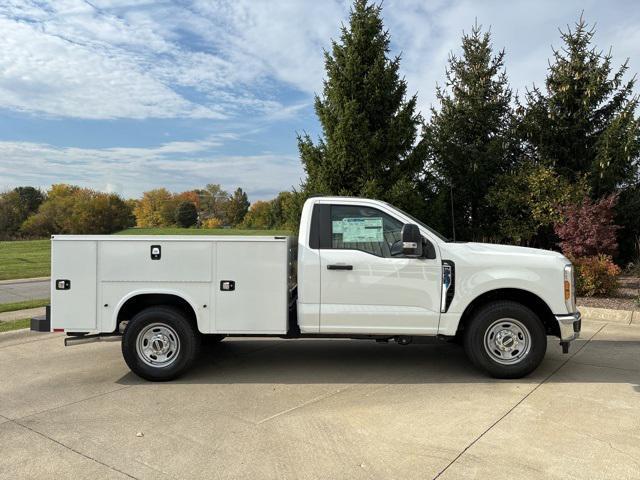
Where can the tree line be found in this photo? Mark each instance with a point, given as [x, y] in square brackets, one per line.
[27, 212]
[487, 165]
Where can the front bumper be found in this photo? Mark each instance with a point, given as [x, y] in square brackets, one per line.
[570, 326]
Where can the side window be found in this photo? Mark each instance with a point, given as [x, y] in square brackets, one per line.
[364, 228]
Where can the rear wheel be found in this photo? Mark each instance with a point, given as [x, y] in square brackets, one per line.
[506, 339]
[160, 343]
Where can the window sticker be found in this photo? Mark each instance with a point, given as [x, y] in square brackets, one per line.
[359, 229]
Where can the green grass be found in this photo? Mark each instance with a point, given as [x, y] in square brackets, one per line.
[199, 231]
[12, 307]
[15, 325]
[25, 259]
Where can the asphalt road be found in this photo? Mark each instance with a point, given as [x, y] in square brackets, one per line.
[320, 409]
[20, 290]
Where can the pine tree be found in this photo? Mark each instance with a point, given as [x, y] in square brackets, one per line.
[237, 207]
[584, 123]
[470, 138]
[186, 214]
[369, 127]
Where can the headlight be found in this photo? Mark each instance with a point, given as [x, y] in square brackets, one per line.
[569, 289]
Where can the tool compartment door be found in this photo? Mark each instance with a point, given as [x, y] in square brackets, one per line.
[251, 287]
[73, 285]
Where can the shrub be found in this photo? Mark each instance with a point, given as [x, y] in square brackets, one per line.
[530, 199]
[596, 276]
[587, 229]
[212, 222]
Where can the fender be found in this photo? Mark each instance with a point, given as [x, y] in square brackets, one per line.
[157, 291]
[475, 281]
[484, 281]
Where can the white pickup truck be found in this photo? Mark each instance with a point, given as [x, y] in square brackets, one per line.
[361, 269]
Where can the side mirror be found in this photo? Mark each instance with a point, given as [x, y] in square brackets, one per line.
[411, 240]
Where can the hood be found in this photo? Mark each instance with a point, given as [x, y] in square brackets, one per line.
[496, 249]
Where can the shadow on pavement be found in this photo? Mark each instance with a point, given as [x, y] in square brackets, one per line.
[365, 362]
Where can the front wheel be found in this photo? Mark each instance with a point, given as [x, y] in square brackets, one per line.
[506, 339]
[160, 344]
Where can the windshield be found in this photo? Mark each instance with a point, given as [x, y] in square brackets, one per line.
[418, 222]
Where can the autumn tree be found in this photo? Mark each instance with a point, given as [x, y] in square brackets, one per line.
[588, 228]
[16, 206]
[74, 210]
[156, 208]
[213, 201]
[260, 215]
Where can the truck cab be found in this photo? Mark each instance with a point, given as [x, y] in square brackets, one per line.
[359, 268]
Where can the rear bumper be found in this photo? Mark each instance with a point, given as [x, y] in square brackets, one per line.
[570, 326]
[43, 322]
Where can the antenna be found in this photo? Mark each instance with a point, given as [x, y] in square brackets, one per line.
[453, 220]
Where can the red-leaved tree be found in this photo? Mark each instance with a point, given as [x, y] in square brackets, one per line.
[588, 228]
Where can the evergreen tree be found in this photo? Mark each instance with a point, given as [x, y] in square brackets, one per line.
[186, 214]
[237, 207]
[369, 127]
[584, 123]
[470, 138]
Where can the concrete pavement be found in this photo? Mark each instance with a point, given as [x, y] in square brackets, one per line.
[27, 289]
[318, 409]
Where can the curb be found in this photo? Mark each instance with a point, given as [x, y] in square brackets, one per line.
[20, 314]
[624, 317]
[24, 335]
[24, 280]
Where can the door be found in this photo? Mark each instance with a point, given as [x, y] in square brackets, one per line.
[73, 289]
[366, 285]
[251, 287]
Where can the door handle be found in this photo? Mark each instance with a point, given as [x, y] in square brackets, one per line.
[339, 267]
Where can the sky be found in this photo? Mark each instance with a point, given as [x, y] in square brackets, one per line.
[129, 95]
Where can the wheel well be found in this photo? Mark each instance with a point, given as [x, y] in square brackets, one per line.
[528, 299]
[139, 302]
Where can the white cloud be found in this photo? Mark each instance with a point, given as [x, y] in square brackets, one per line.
[129, 171]
[214, 58]
[108, 60]
[43, 73]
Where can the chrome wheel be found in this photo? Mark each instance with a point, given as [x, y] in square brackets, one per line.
[158, 345]
[507, 341]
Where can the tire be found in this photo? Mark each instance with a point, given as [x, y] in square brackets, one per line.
[160, 344]
[505, 339]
